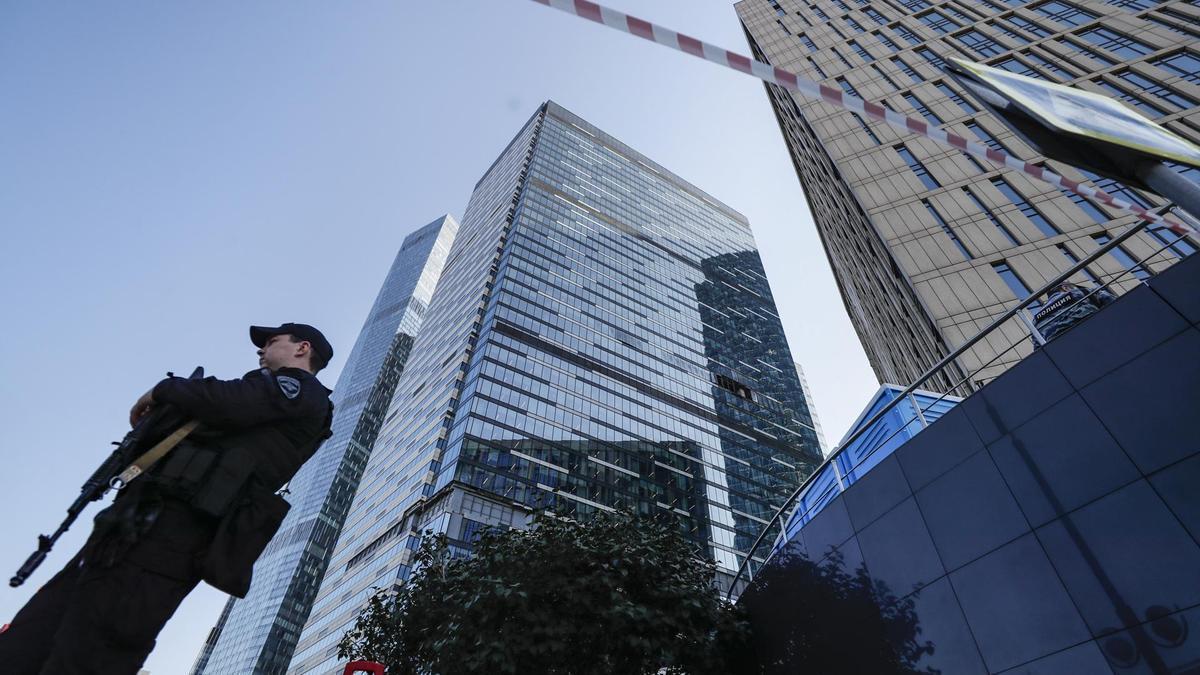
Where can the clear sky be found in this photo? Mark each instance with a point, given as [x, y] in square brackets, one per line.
[173, 172]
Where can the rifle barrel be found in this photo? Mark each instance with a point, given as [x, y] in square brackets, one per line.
[95, 487]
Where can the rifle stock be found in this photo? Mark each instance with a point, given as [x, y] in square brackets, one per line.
[96, 486]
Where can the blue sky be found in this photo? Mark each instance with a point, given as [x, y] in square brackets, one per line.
[173, 172]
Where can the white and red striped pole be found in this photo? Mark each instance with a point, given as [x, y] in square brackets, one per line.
[810, 89]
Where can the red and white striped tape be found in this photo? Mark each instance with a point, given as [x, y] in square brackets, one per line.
[689, 45]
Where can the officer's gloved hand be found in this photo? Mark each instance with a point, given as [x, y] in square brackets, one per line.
[141, 407]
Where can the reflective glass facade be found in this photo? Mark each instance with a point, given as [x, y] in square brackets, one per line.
[916, 232]
[851, 462]
[258, 634]
[603, 337]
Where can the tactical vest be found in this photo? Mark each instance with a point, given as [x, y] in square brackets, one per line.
[217, 477]
[207, 475]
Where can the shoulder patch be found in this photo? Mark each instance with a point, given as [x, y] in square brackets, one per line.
[290, 386]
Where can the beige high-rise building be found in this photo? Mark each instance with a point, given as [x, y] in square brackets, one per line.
[927, 245]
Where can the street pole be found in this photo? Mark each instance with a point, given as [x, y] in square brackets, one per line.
[1170, 184]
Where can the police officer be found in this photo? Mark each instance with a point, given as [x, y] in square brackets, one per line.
[205, 512]
[1066, 305]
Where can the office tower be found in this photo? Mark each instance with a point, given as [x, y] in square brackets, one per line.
[603, 337]
[812, 410]
[928, 245]
[258, 634]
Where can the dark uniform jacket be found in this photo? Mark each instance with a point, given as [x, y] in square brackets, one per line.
[1065, 309]
[279, 418]
[219, 485]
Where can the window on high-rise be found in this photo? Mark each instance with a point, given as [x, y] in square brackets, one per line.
[1004, 29]
[1082, 202]
[1014, 282]
[917, 167]
[1088, 207]
[975, 163]
[1074, 260]
[866, 128]
[854, 24]
[1088, 52]
[937, 217]
[1122, 256]
[1117, 43]
[1028, 210]
[807, 42]
[783, 27]
[1133, 5]
[882, 74]
[909, 36]
[957, 13]
[847, 87]
[840, 57]
[1064, 13]
[1191, 172]
[817, 68]
[956, 98]
[919, 105]
[1048, 65]
[862, 53]
[986, 138]
[1155, 89]
[1174, 20]
[1014, 65]
[1000, 227]
[1138, 102]
[980, 43]
[1163, 22]
[886, 41]
[1176, 243]
[914, 5]
[932, 57]
[937, 21]
[875, 15]
[817, 10]
[1028, 26]
[1115, 189]
[907, 69]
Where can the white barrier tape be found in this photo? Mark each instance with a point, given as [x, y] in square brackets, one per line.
[810, 89]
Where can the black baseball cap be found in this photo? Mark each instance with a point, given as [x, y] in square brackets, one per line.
[260, 334]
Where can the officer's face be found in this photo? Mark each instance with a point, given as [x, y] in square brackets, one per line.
[279, 351]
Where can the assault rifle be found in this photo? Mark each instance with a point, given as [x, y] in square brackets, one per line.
[160, 421]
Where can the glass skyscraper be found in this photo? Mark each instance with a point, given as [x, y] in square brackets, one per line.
[927, 244]
[603, 337]
[258, 634]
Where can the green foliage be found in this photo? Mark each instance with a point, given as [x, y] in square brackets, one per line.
[815, 617]
[618, 594]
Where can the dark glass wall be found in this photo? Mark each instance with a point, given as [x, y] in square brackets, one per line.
[1049, 523]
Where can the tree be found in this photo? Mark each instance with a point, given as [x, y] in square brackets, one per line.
[815, 617]
[618, 594]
